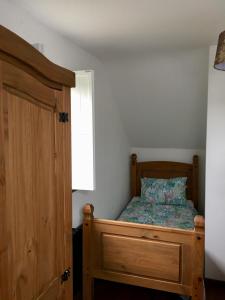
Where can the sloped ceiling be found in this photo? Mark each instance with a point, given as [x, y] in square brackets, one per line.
[162, 98]
[156, 53]
[110, 28]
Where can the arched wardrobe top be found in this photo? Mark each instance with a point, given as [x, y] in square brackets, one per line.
[26, 57]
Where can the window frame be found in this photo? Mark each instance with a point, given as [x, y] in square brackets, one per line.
[92, 72]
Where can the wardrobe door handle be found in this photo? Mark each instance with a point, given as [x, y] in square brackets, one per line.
[65, 276]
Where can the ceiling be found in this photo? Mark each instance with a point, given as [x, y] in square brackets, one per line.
[111, 29]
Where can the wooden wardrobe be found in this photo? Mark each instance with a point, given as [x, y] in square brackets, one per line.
[35, 174]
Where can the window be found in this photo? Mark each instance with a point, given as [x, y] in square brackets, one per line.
[82, 118]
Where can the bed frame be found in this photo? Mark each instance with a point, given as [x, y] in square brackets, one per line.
[151, 256]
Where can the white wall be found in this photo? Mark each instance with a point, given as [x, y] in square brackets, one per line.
[163, 102]
[179, 155]
[215, 173]
[111, 144]
[162, 97]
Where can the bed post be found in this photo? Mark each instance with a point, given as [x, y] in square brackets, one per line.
[198, 292]
[195, 194]
[88, 282]
[133, 175]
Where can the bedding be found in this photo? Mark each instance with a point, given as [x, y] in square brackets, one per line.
[146, 255]
[140, 211]
[164, 191]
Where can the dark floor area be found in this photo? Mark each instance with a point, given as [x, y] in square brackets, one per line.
[105, 290]
[215, 290]
[116, 291]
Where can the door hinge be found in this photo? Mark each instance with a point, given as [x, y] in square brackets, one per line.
[65, 276]
[63, 117]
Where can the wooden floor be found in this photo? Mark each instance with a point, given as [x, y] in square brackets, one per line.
[115, 291]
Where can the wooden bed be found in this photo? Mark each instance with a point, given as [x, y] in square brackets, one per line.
[151, 256]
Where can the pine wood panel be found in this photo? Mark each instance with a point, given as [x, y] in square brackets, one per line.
[141, 233]
[23, 82]
[4, 236]
[118, 258]
[31, 206]
[63, 172]
[20, 53]
[54, 292]
[198, 261]
[139, 256]
[35, 189]
[88, 279]
[94, 265]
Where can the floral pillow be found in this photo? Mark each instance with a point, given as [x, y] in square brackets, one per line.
[170, 191]
[152, 190]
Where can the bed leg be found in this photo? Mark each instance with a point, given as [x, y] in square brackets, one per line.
[88, 281]
[198, 292]
[88, 287]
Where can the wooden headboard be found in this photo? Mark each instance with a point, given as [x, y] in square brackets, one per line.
[165, 169]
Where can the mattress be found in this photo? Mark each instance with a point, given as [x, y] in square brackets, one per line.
[140, 211]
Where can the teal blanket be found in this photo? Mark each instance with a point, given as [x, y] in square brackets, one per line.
[140, 211]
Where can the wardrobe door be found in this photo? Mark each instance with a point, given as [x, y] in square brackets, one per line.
[35, 204]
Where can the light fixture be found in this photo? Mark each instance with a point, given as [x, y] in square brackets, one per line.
[220, 53]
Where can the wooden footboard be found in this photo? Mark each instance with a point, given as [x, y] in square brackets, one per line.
[150, 256]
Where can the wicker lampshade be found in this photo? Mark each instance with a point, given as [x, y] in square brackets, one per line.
[220, 53]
